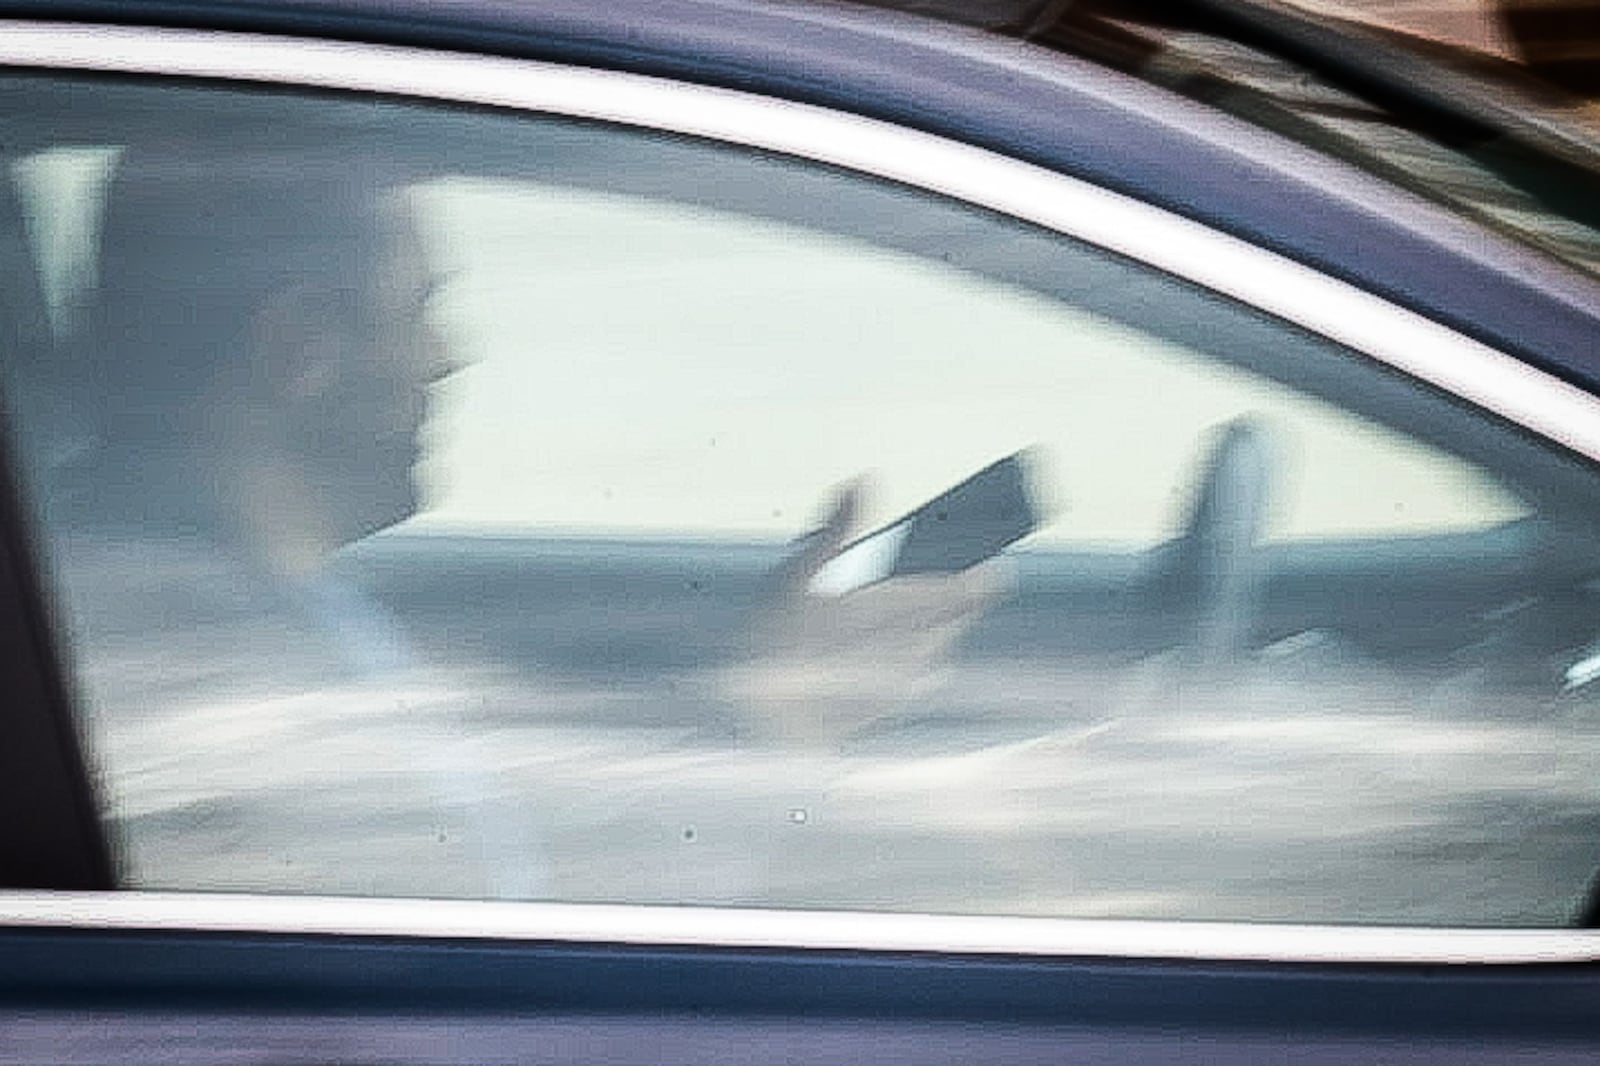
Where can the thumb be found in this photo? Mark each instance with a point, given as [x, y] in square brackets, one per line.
[815, 548]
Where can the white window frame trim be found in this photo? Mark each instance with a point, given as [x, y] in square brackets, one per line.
[725, 927]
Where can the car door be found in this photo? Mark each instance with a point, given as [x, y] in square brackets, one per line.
[636, 737]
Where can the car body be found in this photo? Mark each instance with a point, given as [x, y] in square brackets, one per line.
[1165, 799]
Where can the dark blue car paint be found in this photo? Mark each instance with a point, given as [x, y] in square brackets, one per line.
[215, 973]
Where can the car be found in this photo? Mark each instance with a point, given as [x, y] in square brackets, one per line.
[724, 528]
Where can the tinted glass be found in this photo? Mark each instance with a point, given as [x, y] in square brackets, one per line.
[454, 504]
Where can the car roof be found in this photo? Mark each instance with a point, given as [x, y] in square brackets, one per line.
[1066, 112]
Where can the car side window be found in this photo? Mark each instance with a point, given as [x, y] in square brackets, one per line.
[465, 505]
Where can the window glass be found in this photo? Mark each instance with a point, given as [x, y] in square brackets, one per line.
[464, 505]
[783, 359]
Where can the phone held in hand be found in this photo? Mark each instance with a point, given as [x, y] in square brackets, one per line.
[958, 529]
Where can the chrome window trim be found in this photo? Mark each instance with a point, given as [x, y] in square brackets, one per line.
[1402, 339]
[666, 926]
[1385, 332]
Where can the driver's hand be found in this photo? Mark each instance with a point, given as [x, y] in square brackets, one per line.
[817, 667]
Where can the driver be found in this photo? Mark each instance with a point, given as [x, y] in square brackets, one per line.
[260, 359]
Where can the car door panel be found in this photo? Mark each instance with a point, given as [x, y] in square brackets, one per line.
[214, 998]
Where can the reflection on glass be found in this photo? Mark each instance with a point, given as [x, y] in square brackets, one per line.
[562, 529]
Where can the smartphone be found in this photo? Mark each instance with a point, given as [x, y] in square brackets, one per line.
[959, 528]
